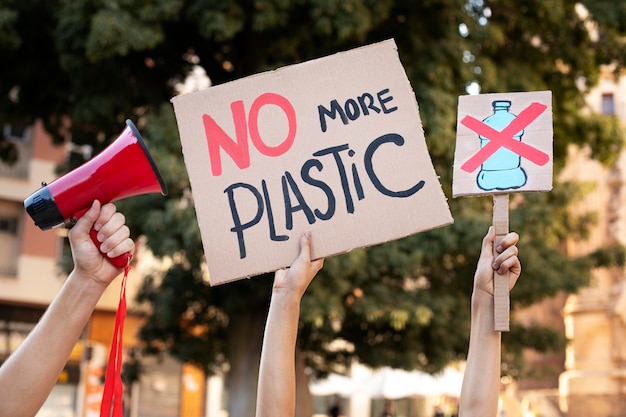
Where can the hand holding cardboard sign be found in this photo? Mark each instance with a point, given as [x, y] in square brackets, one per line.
[502, 153]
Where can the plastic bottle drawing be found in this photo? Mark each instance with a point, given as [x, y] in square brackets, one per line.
[502, 170]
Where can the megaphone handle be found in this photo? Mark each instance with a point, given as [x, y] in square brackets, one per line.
[121, 261]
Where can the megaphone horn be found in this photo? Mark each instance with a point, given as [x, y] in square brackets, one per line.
[123, 169]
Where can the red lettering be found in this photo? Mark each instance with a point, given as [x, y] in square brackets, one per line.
[287, 108]
[216, 138]
[237, 149]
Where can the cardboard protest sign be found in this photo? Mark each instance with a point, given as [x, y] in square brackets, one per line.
[504, 145]
[333, 145]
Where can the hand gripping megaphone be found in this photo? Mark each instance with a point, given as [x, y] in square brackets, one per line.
[123, 169]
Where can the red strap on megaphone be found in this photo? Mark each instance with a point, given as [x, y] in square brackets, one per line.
[113, 387]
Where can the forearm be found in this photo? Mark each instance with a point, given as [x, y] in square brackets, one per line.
[32, 370]
[277, 385]
[481, 382]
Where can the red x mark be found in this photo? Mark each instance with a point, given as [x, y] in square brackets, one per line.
[505, 139]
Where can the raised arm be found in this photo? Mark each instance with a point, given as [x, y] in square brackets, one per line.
[29, 374]
[481, 382]
[276, 393]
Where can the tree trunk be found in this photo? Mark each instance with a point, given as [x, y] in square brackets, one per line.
[245, 340]
[304, 399]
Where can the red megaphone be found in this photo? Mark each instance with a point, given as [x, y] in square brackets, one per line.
[123, 169]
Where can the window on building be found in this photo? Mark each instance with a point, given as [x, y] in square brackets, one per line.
[10, 240]
[608, 103]
[19, 139]
[16, 133]
[15, 324]
[8, 225]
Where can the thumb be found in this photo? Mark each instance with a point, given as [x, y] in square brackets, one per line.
[306, 243]
[488, 240]
[86, 221]
[305, 247]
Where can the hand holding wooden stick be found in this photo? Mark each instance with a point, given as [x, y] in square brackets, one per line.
[506, 151]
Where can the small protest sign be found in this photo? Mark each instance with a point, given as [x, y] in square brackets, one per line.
[504, 145]
[333, 145]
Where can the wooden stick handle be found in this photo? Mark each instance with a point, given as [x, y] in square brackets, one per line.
[501, 301]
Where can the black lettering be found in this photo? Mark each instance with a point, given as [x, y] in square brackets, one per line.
[352, 109]
[382, 101]
[270, 216]
[365, 107]
[332, 113]
[357, 183]
[239, 227]
[369, 153]
[289, 183]
[342, 172]
[306, 177]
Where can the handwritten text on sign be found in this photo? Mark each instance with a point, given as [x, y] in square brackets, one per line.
[301, 148]
[332, 158]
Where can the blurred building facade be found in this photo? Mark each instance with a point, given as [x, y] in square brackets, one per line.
[30, 278]
[590, 379]
[594, 380]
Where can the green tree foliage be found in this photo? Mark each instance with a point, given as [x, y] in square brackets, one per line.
[405, 303]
